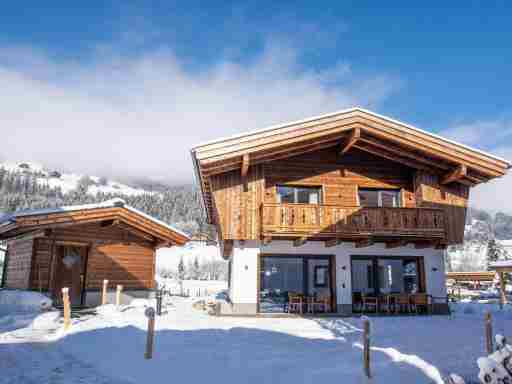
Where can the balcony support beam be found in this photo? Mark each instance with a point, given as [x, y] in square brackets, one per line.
[354, 136]
[396, 244]
[300, 241]
[456, 175]
[363, 243]
[332, 243]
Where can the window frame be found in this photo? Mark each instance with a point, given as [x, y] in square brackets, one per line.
[318, 188]
[379, 196]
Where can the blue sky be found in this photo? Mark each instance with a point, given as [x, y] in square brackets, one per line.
[142, 72]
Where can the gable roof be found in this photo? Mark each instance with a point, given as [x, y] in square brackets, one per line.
[352, 128]
[25, 221]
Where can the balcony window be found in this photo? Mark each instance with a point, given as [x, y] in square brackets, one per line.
[298, 195]
[379, 198]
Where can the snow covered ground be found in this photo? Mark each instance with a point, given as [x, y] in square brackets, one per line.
[192, 347]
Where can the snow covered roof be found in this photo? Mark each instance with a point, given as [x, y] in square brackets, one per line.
[10, 220]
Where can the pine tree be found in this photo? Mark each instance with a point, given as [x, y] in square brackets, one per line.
[181, 269]
[495, 251]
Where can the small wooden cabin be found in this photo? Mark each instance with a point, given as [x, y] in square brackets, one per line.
[80, 246]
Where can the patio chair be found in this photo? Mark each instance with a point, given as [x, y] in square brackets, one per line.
[295, 303]
[357, 302]
[321, 302]
[420, 302]
[370, 302]
[403, 303]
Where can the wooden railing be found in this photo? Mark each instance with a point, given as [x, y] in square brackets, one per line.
[334, 220]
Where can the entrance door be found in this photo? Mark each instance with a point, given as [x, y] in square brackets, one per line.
[70, 265]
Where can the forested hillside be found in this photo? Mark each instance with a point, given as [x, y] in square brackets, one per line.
[176, 205]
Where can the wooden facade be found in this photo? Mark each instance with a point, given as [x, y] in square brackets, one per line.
[109, 243]
[341, 154]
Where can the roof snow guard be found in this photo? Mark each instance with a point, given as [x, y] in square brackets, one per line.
[351, 128]
[114, 210]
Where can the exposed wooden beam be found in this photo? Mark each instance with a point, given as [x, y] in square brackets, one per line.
[354, 136]
[424, 244]
[300, 241]
[267, 240]
[455, 175]
[108, 223]
[391, 156]
[363, 243]
[245, 165]
[332, 242]
[395, 244]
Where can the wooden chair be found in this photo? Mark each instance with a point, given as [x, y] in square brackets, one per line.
[421, 301]
[357, 302]
[402, 303]
[322, 302]
[295, 303]
[370, 302]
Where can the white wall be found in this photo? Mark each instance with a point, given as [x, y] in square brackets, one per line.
[245, 259]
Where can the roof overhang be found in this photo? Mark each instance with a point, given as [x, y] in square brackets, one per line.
[352, 128]
[115, 214]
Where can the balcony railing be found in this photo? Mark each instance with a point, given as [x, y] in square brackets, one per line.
[341, 221]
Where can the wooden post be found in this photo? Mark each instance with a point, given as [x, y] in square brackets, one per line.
[104, 293]
[488, 333]
[503, 293]
[118, 294]
[67, 309]
[150, 314]
[366, 347]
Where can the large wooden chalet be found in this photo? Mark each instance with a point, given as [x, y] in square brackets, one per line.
[81, 246]
[345, 209]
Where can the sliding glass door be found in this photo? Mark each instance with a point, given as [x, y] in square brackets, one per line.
[381, 275]
[282, 275]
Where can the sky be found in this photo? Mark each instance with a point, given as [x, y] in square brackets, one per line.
[126, 88]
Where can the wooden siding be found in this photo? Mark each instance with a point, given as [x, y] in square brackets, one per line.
[113, 253]
[132, 266]
[239, 202]
[17, 272]
[452, 198]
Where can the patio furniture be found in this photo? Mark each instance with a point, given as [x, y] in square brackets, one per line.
[370, 302]
[313, 303]
[295, 303]
[402, 303]
[420, 302]
[357, 301]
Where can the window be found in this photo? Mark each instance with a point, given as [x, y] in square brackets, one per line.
[321, 273]
[298, 195]
[379, 198]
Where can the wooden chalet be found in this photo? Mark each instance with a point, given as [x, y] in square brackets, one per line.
[80, 246]
[342, 197]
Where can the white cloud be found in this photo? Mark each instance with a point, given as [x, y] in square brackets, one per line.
[136, 116]
[482, 133]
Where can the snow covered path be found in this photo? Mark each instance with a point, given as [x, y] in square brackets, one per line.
[193, 347]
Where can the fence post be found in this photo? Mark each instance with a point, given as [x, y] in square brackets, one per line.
[159, 295]
[104, 293]
[366, 347]
[118, 294]
[488, 333]
[150, 314]
[67, 309]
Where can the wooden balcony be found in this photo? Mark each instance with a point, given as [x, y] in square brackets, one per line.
[345, 223]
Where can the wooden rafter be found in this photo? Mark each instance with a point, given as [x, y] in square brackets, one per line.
[245, 165]
[354, 136]
[391, 156]
[456, 175]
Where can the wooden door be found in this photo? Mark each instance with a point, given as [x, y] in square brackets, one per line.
[70, 264]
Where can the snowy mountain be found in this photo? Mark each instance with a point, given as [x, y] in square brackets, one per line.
[67, 182]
